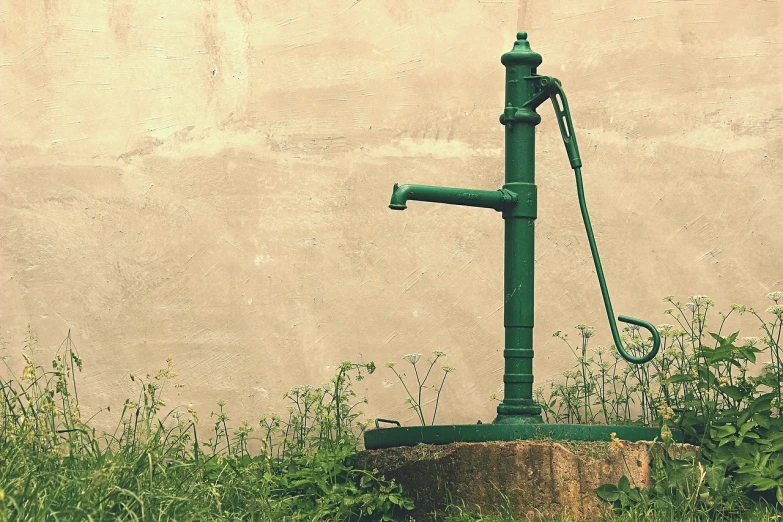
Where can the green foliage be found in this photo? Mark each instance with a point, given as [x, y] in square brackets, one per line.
[622, 496]
[415, 402]
[723, 393]
[154, 467]
[635, 512]
[685, 488]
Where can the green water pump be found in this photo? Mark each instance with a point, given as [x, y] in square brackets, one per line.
[518, 415]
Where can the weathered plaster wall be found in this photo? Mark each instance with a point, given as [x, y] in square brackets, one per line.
[208, 181]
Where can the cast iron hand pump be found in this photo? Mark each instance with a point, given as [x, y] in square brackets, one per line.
[518, 414]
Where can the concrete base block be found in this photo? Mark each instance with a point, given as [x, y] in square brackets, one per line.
[529, 478]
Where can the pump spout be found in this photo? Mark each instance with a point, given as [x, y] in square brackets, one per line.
[500, 200]
[399, 197]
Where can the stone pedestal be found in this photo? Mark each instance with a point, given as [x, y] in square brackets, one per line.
[527, 478]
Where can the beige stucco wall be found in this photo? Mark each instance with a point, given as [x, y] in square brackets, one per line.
[208, 181]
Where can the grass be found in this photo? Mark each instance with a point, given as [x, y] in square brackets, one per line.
[158, 465]
[638, 515]
[153, 466]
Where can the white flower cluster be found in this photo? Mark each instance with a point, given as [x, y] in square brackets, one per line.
[585, 330]
[412, 358]
[776, 309]
[775, 296]
[701, 300]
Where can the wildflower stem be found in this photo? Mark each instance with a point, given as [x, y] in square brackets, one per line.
[415, 406]
[437, 397]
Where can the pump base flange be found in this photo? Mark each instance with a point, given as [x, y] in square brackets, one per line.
[449, 433]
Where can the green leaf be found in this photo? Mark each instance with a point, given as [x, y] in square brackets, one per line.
[749, 353]
[763, 483]
[747, 427]
[608, 492]
[721, 432]
[724, 353]
[724, 341]
[624, 484]
[762, 403]
[679, 378]
[635, 496]
[714, 475]
[708, 379]
[733, 392]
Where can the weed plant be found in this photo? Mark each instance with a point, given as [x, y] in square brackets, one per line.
[415, 399]
[639, 512]
[762, 514]
[723, 392]
[153, 466]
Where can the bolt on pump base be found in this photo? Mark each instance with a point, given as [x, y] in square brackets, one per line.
[519, 417]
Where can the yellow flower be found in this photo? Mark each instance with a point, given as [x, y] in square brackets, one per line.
[194, 415]
[616, 443]
[666, 412]
[28, 372]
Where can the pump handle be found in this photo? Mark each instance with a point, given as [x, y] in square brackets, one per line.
[560, 102]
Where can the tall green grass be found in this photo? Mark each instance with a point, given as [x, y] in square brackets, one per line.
[153, 466]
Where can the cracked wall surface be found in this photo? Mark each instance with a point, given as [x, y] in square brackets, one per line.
[208, 181]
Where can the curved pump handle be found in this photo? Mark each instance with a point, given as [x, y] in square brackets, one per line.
[560, 102]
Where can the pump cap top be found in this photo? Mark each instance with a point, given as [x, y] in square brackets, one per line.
[521, 54]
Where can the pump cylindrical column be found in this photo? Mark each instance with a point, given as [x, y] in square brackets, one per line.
[520, 121]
